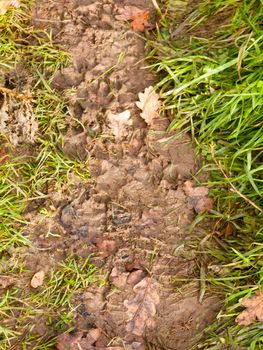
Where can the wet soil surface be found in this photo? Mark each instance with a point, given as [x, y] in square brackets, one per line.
[133, 216]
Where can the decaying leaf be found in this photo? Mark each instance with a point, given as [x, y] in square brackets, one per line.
[120, 123]
[142, 308]
[253, 312]
[149, 103]
[38, 279]
[139, 18]
[6, 4]
[17, 121]
[198, 197]
[140, 21]
[106, 247]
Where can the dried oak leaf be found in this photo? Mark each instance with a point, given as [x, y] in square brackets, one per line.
[120, 123]
[149, 103]
[198, 197]
[6, 4]
[139, 18]
[38, 279]
[253, 312]
[142, 308]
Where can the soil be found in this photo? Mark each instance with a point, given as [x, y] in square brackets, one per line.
[133, 215]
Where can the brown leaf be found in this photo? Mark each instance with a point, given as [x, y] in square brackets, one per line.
[6, 4]
[38, 279]
[120, 123]
[198, 197]
[149, 103]
[106, 247]
[140, 21]
[229, 229]
[253, 312]
[142, 308]
[139, 18]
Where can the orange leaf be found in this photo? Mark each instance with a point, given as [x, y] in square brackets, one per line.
[140, 20]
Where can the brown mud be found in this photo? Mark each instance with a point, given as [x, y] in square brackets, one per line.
[133, 215]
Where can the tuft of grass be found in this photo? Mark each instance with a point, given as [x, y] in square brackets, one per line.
[51, 304]
[212, 88]
[28, 61]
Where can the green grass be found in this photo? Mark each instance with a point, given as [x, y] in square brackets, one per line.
[212, 87]
[26, 175]
[52, 302]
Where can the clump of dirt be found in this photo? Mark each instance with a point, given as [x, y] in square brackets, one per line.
[134, 214]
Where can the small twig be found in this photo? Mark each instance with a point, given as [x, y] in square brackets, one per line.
[233, 187]
[14, 93]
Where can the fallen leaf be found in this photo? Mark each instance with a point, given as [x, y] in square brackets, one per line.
[106, 247]
[229, 229]
[140, 21]
[253, 312]
[6, 4]
[198, 197]
[38, 279]
[119, 124]
[149, 103]
[142, 308]
[139, 18]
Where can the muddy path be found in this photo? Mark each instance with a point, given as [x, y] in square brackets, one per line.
[133, 215]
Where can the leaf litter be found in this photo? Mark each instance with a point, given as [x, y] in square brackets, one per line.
[253, 311]
[149, 103]
[142, 308]
[139, 18]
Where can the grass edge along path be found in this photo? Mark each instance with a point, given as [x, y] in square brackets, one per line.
[212, 87]
[25, 175]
